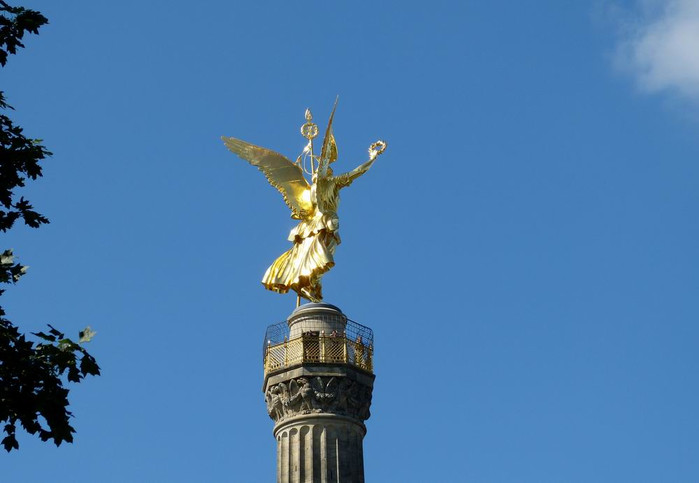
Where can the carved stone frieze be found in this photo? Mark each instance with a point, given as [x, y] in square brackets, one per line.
[319, 394]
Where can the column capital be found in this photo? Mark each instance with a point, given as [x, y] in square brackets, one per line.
[308, 395]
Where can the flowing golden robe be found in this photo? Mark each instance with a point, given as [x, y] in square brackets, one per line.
[315, 239]
[301, 267]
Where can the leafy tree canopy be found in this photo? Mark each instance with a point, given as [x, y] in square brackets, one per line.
[32, 373]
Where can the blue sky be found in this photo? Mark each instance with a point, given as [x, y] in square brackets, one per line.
[525, 250]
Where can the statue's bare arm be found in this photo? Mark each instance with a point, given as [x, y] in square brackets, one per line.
[374, 151]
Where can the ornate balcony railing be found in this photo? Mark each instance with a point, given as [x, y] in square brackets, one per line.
[354, 346]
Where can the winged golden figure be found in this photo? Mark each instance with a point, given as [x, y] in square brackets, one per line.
[314, 204]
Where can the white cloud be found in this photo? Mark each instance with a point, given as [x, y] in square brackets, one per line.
[660, 46]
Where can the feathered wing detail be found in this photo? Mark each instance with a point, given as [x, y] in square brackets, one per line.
[317, 385]
[331, 386]
[328, 154]
[281, 173]
[293, 388]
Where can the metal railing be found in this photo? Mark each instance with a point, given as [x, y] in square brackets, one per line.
[320, 348]
[280, 332]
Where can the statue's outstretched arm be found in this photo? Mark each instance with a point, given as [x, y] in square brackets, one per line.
[374, 151]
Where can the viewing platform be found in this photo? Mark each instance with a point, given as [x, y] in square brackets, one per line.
[328, 339]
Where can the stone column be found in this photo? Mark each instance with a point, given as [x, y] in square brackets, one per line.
[319, 408]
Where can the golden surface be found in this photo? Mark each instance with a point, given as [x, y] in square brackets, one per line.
[316, 236]
[319, 349]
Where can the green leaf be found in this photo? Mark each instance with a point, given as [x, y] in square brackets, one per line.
[44, 336]
[86, 335]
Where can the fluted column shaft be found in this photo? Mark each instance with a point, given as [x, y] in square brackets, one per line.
[320, 450]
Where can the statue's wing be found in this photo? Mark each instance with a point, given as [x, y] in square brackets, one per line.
[317, 385]
[331, 387]
[281, 173]
[328, 153]
[293, 388]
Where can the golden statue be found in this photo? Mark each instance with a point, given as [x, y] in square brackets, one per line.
[316, 236]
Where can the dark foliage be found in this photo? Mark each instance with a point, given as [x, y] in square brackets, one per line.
[32, 373]
[14, 22]
[19, 156]
[31, 388]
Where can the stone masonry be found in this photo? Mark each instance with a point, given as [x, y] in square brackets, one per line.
[319, 409]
